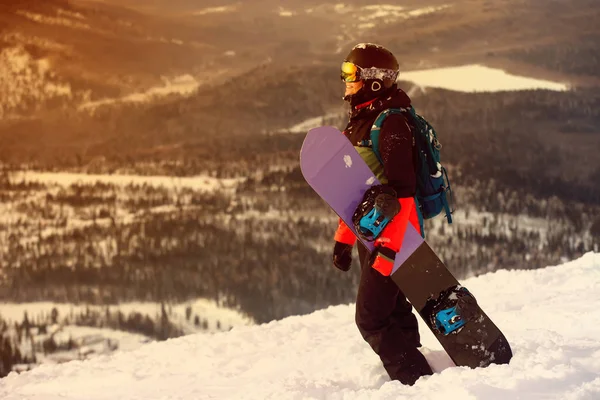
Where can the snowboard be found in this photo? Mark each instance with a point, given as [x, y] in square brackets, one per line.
[333, 168]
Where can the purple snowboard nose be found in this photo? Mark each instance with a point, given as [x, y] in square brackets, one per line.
[335, 170]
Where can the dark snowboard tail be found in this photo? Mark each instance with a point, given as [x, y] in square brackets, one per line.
[334, 169]
[423, 277]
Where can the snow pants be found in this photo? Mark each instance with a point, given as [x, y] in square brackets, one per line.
[385, 320]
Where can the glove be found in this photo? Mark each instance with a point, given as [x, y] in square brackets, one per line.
[382, 260]
[342, 256]
[387, 203]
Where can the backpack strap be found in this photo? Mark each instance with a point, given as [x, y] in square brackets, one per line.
[373, 143]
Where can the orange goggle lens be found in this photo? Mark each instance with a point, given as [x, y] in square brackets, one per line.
[350, 72]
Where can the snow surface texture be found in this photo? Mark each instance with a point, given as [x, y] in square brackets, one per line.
[550, 316]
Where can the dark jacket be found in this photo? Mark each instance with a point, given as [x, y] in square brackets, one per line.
[383, 314]
[395, 139]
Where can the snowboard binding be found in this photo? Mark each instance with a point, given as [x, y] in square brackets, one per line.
[379, 205]
[451, 310]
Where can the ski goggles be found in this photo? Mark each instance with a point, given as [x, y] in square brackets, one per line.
[350, 72]
[353, 73]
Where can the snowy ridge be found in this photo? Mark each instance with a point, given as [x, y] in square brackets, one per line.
[24, 79]
[550, 317]
[183, 85]
[202, 183]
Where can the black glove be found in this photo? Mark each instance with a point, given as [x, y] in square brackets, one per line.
[387, 203]
[342, 256]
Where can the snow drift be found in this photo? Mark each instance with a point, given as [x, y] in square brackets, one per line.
[550, 316]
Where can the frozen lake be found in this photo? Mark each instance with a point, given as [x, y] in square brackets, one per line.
[477, 78]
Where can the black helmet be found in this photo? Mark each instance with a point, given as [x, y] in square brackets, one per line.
[373, 64]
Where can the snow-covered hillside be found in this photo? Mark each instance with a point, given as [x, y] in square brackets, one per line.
[550, 316]
[24, 80]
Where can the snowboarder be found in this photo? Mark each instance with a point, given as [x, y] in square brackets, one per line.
[383, 315]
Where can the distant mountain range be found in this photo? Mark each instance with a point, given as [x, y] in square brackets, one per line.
[60, 52]
[160, 80]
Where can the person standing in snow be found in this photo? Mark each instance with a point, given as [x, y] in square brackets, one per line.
[383, 314]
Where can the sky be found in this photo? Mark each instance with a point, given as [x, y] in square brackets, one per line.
[550, 316]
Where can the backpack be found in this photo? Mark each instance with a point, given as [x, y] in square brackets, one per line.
[433, 186]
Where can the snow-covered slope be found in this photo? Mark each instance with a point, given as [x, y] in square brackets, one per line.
[550, 316]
